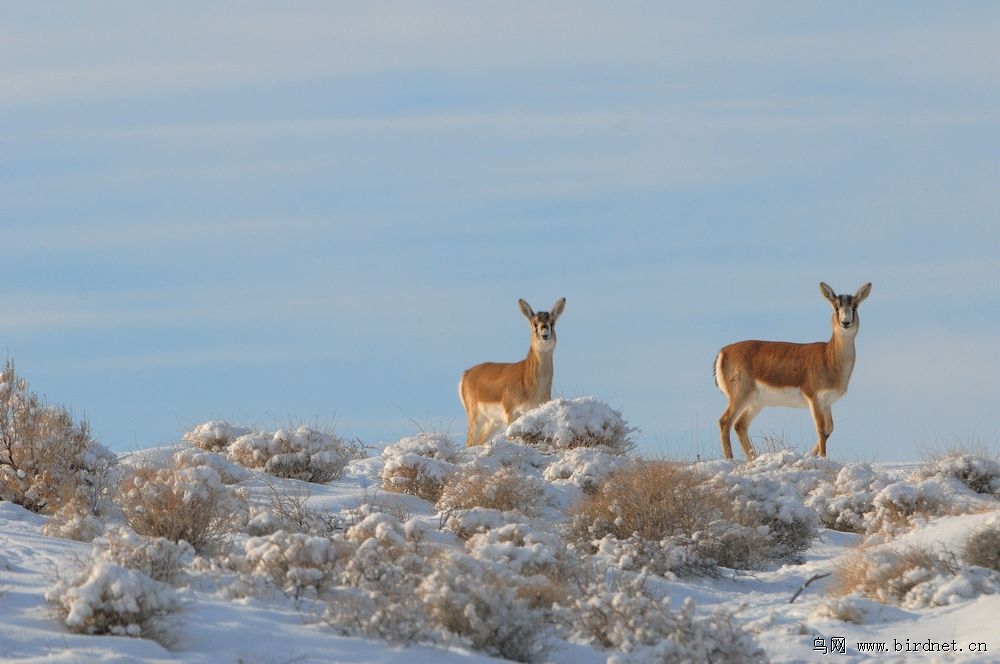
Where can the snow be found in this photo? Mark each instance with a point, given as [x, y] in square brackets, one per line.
[272, 597]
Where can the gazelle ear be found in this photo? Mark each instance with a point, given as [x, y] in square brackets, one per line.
[526, 309]
[557, 309]
[862, 293]
[828, 293]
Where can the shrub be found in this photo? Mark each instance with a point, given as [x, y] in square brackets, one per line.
[378, 596]
[650, 499]
[391, 557]
[653, 514]
[847, 503]
[215, 436]
[504, 490]
[674, 517]
[571, 423]
[229, 472]
[584, 468]
[977, 472]
[535, 561]
[765, 501]
[110, 599]
[982, 546]
[474, 602]
[303, 454]
[419, 465]
[645, 629]
[298, 563]
[181, 502]
[74, 520]
[913, 577]
[156, 557]
[468, 522]
[290, 511]
[898, 505]
[46, 460]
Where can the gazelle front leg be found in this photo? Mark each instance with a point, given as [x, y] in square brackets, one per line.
[823, 419]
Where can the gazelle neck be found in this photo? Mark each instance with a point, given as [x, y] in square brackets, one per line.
[539, 367]
[840, 349]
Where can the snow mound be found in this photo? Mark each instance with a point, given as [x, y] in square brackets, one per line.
[569, 423]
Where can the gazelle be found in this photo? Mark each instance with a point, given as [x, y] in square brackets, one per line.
[757, 374]
[495, 391]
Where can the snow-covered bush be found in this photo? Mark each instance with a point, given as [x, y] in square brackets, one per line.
[899, 505]
[181, 502]
[377, 596]
[644, 629]
[419, 465]
[766, 500]
[46, 460]
[538, 560]
[107, 598]
[290, 511]
[654, 514]
[504, 490]
[215, 436]
[563, 424]
[391, 556]
[651, 499]
[229, 472]
[848, 502]
[979, 473]
[912, 578]
[677, 517]
[303, 454]
[482, 607]
[74, 520]
[668, 557]
[585, 468]
[374, 614]
[156, 557]
[982, 546]
[466, 523]
[297, 563]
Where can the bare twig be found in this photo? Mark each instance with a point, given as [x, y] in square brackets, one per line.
[815, 577]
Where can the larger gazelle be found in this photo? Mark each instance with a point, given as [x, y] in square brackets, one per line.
[757, 374]
[495, 392]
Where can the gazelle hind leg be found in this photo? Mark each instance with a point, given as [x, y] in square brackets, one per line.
[742, 427]
[731, 416]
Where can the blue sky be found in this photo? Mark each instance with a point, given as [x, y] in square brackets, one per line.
[322, 213]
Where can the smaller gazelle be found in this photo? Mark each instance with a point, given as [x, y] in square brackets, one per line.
[757, 374]
[495, 392]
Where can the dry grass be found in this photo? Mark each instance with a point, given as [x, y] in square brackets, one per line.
[982, 547]
[886, 574]
[651, 500]
[672, 516]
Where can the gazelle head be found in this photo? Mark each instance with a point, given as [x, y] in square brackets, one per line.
[543, 324]
[845, 307]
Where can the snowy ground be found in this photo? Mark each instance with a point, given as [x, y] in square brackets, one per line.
[219, 627]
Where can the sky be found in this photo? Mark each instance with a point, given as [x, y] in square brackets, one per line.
[321, 213]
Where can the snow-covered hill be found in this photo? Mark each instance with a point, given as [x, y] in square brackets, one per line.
[349, 571]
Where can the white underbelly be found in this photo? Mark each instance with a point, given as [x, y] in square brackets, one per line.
[791, 397]
[490, 412]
